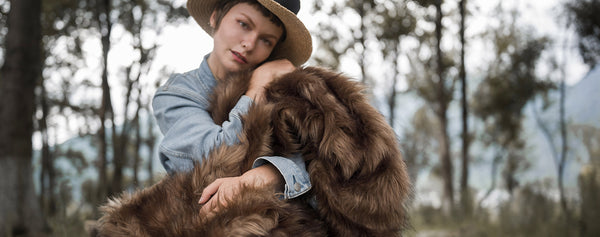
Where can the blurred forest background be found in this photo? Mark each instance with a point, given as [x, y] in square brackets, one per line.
[498, 139]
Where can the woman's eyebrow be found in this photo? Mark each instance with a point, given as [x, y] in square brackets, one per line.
[248, 19]
[251, 23]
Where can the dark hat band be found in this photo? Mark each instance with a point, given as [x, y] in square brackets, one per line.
[292, 5]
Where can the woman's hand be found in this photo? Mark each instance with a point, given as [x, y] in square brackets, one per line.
[264, 74]
[222, 190]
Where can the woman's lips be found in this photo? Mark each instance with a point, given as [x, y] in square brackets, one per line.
[239, 57]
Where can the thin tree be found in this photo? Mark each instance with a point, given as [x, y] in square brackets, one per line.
[138, 139]
[105, 112]
[462, 74]
[150, 142]
[436, 88]
[47, 176]
[444, 98]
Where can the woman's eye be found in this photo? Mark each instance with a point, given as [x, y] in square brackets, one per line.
[267, 42]
[243, 24]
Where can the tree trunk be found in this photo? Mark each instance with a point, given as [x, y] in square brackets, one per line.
[19, 207]
[102, 157]
[136, 151]
[150, 143]
[47, 176]
[106, 111]
[563, 153]
[441, 112]
[464, 179]
[446, 163]
[361, 61]
[392, 98]
[138, 139]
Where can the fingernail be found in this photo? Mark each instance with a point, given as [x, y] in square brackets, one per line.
[201, 200]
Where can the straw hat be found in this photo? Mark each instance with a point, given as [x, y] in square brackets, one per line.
[297, 45]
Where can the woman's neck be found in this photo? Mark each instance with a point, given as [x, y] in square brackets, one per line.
[213, 65]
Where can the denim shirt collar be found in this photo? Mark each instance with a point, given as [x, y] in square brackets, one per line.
[205, 72]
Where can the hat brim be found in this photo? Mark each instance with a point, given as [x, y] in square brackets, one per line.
[297, 46]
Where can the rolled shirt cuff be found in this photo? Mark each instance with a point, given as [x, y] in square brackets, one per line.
[293, 170]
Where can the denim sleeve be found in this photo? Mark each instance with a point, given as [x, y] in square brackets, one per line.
[189, 131]
[293, 170]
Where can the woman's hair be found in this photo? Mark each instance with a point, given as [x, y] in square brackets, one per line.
[224, 6]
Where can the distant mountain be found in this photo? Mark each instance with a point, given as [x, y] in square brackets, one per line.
[582, 107]
[583, 100]
[76, 160]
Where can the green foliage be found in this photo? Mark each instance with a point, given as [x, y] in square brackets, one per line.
[516, 162]
[511, 80]
[515, 78]
[584, 15]
[417, 145]
[67, 226]
[426, 81]
[530, 212]
[510, 83]
[589, 186]
[70, 221]
[590, 137]
[380, 26]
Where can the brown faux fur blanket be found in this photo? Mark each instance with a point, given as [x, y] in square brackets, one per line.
[358, 176]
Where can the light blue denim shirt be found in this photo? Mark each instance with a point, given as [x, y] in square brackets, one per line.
[181, 110]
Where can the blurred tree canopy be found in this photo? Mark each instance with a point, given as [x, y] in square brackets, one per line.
[509, 84]
[583, 14]
[69, 27]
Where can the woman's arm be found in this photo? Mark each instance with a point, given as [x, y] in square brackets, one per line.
[180, 107]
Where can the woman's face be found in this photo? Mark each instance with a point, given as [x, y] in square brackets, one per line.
[244, 38]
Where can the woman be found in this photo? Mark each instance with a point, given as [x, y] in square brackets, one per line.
[262, 36]
[358, 175]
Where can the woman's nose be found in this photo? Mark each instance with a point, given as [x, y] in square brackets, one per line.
[248, 42]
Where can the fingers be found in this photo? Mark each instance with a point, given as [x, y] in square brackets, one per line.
[209, 191]
[217, 194]
[210, 206]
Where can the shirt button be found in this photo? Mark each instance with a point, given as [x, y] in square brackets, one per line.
[297, 187]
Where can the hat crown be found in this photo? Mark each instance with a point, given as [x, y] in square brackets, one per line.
[292, 5]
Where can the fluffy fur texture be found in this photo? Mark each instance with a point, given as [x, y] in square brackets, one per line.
[359, 178]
